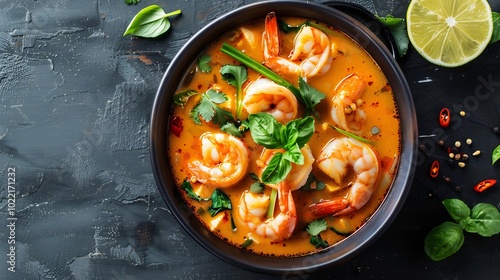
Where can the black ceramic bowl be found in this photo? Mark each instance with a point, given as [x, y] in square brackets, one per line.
[388, 209]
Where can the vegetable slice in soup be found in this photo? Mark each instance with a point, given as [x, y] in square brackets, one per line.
[255, 168]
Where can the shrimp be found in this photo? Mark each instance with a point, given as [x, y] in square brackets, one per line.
[298, 174]
[311, 47]
[224, 160]
[334, 160]
[263, 95]
[252, 210]
[346, 102]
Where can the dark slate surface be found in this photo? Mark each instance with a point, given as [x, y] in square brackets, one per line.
[75, 102]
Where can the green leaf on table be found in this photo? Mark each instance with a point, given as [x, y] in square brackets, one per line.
[150, 22]
[130, 2]
[397, 27]
[443, 241]
[496, 27]
[495, 155]
[457, 209]
[484, 220]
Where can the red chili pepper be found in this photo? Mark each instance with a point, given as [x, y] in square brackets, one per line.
[176, 125]
[444, 118]
[484, 185]
[434, 169]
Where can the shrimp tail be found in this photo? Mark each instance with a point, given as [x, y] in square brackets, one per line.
[271, 36]
[331, 207]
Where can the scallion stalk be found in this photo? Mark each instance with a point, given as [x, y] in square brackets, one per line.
[272, 203]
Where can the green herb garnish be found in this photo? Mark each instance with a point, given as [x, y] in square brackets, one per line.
[447, 238]
[186, 186]
[220, 202]
[235, 75]
[306, 94]
[130, 2]
[150, 22]
[204, 63]
[247, 243]
[312, 184]
[272, 203]
[269, 133]
[314, 229]
[208, 109]
[257, 186]
[348, 134]
[496, 27]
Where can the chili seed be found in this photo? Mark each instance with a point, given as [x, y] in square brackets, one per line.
[461, 164]
[476, 153]
[458, 144]
[468, 141]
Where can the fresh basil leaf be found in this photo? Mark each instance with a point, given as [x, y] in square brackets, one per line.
[495, 155]
[397, 27]
[203, 63]
[265, 130]
[182, 97]
[288, 136]
[305, 128]
[276, 170]
[294, 154]
[496, 27]
[150, 22]
[457, 209]
[310, 96]
[443, 241]
[484, 220]
[286, 28]
[220, 202]
[188, 188]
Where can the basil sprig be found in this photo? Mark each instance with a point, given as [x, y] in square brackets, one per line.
[269, 133]
[150, 22]
[447, 238]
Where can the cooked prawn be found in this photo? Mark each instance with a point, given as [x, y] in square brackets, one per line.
[252, 210]
[311, 48]
[335, 160]
[346, 102]
[224, 160]
[264, 95]
[298, 174]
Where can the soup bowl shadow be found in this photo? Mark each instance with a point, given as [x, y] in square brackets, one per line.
[378, 222]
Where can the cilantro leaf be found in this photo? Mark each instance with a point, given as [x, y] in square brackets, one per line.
[316, 227]
[397, 27]
[230, 128]
[236, 76]
[203, 63]
[318, 242]
[208, 110]
[312, 184]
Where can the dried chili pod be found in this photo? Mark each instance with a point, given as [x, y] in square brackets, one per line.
[434, 172]
[444, 117]
[176, 126]
[484, 185]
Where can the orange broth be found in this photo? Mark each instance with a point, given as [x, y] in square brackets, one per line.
[379, 105]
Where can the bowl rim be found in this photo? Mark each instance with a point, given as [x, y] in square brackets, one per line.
[373, 228]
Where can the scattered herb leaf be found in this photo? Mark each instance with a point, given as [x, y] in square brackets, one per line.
[496, 27]
[287, 28]
[186, 186]
[443, 241]
[312, 184]
[130, 2]
[182, 97]
[310, 96]
[230, 128]
[220, 202]
[484, 220]
[495, 155]
[150, 22]
[397, 27]
[247, 243]
[257, 186]
[204, 63]
[354, 136]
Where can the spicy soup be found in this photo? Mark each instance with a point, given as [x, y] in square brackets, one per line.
[347, 161]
